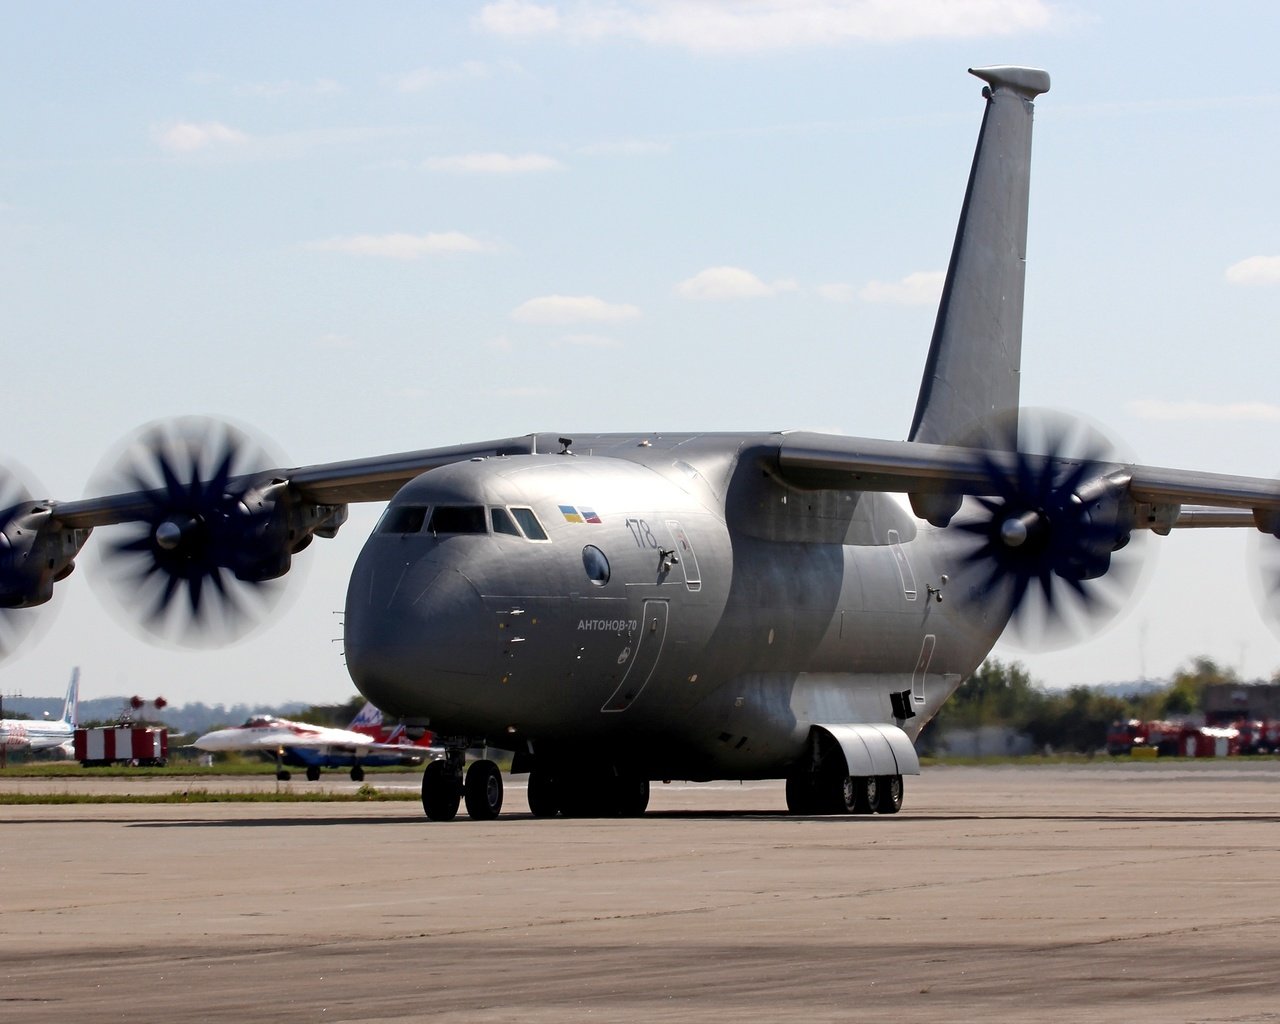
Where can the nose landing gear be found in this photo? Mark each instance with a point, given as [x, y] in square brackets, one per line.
[444, 789]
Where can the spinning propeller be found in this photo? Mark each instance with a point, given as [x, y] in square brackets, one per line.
[201, 565]
[17, 619]
[1044, 543]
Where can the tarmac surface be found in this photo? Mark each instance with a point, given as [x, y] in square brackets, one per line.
[1115, 892]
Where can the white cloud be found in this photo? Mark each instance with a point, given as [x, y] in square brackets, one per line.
[717, 283]
[764, 25]
[518, 18]
[402, 246]
[558, 310]
[429, 77]
[1256, 270]
[1193, 411]
[493, 163]
[919, 289]
[190, 136]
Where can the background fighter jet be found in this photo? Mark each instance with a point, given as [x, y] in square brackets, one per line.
[312, 747]
[618, 608]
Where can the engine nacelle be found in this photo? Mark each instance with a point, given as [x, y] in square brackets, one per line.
[269, 525]
[253, 534]
[36, 551]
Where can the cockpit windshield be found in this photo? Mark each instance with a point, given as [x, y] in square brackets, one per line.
[455, 519]
[403, 519]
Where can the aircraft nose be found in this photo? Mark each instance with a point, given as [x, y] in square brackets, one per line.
[215, 740]
[428, 637]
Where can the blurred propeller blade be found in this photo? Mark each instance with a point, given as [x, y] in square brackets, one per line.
[175, 567]
[1058, 567]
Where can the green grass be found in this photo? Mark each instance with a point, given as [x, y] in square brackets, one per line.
[365, 794]
[72, 770]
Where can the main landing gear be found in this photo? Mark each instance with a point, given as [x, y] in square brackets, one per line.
[554, 788]
[444, 788]
[830, 793]
[583, 795]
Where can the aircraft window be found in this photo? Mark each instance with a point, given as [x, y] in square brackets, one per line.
[403, 519]
[502, 522]
[529, 523]
[597, 566]
[458, 519]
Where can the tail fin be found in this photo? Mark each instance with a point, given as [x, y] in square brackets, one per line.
[971, 376]
[367, 717]
[71, 706]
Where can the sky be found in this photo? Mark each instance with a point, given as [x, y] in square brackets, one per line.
[362, 229]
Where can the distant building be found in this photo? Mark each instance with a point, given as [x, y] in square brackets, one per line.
[1230, 702]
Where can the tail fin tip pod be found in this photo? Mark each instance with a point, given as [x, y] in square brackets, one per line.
[1028, 82]
[970, 388]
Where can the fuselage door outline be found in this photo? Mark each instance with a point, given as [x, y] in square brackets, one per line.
[683, 548]
[644, 657]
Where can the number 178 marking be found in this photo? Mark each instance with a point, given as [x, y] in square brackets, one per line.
[641, 533]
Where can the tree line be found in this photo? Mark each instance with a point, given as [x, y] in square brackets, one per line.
[1075, 719]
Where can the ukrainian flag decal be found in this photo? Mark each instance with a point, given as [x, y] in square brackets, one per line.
[578, 514]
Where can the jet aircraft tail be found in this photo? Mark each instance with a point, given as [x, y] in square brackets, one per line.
[971, 376]
[368, 717]
[71, 706]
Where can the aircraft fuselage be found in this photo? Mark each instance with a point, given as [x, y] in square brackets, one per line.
[666, 597]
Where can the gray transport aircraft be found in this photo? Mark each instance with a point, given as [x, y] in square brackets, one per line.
[616, 609]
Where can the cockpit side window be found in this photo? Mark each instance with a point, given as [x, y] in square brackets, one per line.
[529, 523]
[502, 522]
[458, 519]
[403, 519]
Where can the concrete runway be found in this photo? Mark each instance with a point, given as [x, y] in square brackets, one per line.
[1109, 893]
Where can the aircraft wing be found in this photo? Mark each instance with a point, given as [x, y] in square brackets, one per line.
[830, 461]
[370, 479]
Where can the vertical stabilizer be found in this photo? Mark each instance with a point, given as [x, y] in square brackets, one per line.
[971, 377]
[71, 706]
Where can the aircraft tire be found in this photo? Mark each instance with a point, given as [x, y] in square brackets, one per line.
[282, 775]
[483, 791]
[313, 773]
[543, 793]
[440, 792]
[357, 773]
[889, 794]
[866, 794]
